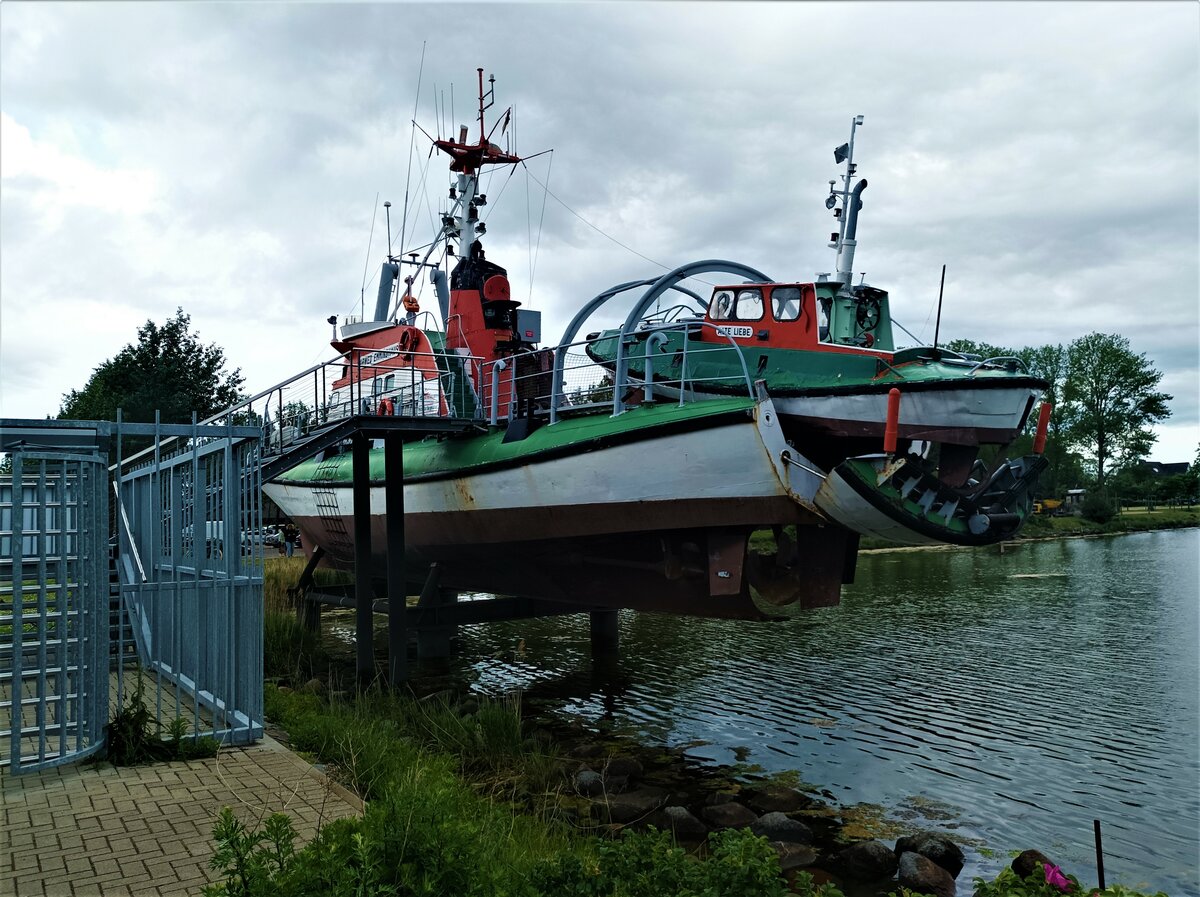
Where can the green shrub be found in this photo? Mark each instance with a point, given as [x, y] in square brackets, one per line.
[132, 736]
[649, 864]
[1097, 508]
[1009, 884]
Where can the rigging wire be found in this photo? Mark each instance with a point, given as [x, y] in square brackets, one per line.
[592, 226]
[412, 142]
[541, 221]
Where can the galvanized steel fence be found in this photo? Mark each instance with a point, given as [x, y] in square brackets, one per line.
[189, 531]
[54, 672]
[175, 568]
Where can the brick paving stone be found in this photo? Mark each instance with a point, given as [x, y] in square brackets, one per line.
[103, 866]
[148, 830]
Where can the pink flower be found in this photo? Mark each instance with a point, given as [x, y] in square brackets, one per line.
[1054, 876]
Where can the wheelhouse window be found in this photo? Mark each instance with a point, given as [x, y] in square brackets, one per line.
[721, 308]
[785, 303]
[749, 305]
[744, 305]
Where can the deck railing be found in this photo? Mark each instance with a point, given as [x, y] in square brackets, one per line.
[447, 384]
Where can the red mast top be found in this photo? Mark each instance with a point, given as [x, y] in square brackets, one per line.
[470, 157]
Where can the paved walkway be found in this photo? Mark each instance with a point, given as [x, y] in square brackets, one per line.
[102, 830]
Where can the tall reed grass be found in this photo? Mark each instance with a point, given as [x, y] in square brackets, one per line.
[289, 650]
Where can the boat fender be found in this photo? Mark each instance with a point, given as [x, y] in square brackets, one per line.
[386, 408]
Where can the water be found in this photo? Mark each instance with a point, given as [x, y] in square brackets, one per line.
[1012, 696]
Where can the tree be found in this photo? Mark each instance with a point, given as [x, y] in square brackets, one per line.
[1050, 364]
[168, 370]
[971, 347]
[1110, 400]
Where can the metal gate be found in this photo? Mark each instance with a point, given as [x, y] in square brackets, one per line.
[189, 529]
[54, 606]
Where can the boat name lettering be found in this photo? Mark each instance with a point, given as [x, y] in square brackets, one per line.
[383, 354]
[737, 332]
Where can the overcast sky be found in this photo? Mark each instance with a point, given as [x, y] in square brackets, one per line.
[226, 158]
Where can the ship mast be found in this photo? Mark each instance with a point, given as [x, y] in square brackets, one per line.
[462, 221]
[844, 240]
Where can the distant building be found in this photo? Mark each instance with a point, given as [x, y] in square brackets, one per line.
[1165, 470]
[1073, 502]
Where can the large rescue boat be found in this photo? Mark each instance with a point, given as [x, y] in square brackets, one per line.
[630, 469]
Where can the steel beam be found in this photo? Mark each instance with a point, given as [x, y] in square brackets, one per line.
[393, 493]
[361, 447]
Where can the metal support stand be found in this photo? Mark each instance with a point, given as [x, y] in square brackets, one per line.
[606, 633]
[393, 493]
[363, 634]
[308, 612]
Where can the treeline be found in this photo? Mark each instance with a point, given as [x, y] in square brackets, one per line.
[1105, 398]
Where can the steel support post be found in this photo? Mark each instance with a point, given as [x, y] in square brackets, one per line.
[393, 492]
[606, 633]
[360, 447]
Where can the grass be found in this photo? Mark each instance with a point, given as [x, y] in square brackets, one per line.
[280, 575]
[290, 651]
[443, 816]
[1128, 521]
[412, 755]
[435, 824]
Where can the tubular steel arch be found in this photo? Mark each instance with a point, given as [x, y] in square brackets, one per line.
[568, 337]
[660, 286]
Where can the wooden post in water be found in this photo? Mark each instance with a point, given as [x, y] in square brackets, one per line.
[364, 610]
[433, 642]
[397, 588]
[606, 633]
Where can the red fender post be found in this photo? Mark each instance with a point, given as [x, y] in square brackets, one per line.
[1039, 441]
[892, 429]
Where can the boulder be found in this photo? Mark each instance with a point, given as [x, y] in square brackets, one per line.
[794, 856]
[586, 750]
[729, 815]
[777, 827]
[632, 806]
[615, 784]
[923, 875]
[777, 799]
[720, 797]
[629, 767]
[1029, 861]
[683, 824]
[934, 847]
[864, 861]
[588, 782]
[313, 686]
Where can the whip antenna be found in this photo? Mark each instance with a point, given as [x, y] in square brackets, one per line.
[362, 293]
[938, 326]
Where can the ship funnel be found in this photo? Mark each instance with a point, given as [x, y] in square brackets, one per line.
[383, 302]
[845, 261]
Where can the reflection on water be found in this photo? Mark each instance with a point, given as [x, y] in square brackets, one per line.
[1032, 690]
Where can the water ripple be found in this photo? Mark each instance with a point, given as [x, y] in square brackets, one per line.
[1036, 690]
